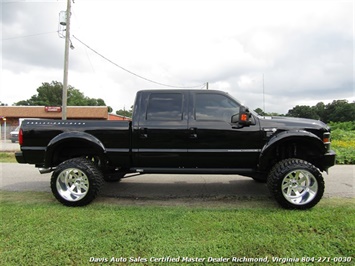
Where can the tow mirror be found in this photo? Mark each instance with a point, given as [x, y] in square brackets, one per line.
[243, 118]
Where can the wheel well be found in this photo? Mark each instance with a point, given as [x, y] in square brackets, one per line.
[300, 149]
[72, 149]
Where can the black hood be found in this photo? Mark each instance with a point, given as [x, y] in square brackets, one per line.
[289, 123]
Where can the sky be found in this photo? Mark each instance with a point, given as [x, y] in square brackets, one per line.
[272, 54]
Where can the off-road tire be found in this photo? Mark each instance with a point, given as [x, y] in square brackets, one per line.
[296, 184]
[76, 182]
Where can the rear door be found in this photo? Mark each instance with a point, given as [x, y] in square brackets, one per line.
[160, 136]
[215, 142]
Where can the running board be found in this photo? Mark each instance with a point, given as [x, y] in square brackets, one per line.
[212, 171]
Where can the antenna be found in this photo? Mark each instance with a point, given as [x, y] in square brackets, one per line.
[264, 95]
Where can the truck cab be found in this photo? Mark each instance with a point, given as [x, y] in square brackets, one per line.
[193, 130]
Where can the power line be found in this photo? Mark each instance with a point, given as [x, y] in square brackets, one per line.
[137, 75]
[26, 36]
[4, 2]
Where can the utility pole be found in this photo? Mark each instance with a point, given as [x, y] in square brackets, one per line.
[66, 62]
[207, 86]
[264, 95]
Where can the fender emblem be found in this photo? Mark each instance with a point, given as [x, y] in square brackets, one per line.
[270, 130]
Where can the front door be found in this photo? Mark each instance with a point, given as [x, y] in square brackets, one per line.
[215, 142]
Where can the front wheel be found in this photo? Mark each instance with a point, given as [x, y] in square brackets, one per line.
[76, 182]
[296, 184]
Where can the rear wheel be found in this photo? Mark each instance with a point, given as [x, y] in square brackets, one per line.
[296, 184]
[76, 182]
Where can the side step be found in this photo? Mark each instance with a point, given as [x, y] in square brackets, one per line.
[219, 171]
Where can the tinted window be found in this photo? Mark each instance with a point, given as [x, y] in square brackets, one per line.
[215, 107]
[165, 106]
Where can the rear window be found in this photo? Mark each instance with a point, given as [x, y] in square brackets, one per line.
[165, 107]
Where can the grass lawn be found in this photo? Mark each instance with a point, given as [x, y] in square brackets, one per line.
[7, 157]
[36, 230]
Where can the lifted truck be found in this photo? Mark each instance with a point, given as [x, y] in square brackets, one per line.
[181, 131]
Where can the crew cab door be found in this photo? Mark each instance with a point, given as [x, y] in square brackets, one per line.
[215, 142]
[160, 136]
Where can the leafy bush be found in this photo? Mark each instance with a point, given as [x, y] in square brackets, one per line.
[348, 126]
[343, 142]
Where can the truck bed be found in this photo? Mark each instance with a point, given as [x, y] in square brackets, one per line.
[38, 135]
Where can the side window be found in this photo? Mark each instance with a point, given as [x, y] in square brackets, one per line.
[218, 107]
[165, 107]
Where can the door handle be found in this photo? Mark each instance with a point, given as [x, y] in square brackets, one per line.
[193, 133]
[143, 133]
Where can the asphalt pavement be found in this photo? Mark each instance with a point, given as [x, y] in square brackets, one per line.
[22, 177]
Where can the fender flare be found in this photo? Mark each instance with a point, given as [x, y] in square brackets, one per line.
[65, 137]
[303, 136]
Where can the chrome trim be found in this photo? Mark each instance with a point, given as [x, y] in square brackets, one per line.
[198, 150]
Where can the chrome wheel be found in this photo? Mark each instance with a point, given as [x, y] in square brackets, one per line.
[296, 184]
[76, 182]
[72, 184]
[299, 187]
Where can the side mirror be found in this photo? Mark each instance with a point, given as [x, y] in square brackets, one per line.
[243, 118]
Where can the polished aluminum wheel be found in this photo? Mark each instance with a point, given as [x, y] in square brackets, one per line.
[299, 187]
[72, 184]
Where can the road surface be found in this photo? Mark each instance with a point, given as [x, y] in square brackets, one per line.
[22, 177]
[9, 146]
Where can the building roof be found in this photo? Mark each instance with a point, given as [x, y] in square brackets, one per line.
[73, 112]
[118, 117]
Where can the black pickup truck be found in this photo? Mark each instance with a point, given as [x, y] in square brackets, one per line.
[181, 131]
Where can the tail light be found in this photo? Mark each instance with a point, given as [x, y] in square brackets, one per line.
[20, 137]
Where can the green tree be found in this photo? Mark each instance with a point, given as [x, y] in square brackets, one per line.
[340, 111]
[303, 111]
[259, 111]
[319, 109]
[337, 111]
[274, 114]
[76, 97]
[50, 94]
[124, 112]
